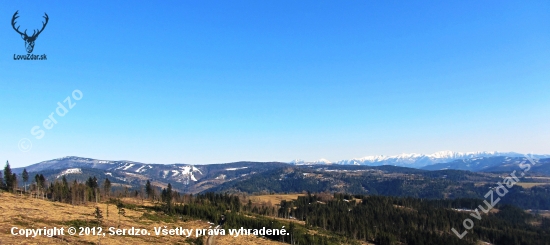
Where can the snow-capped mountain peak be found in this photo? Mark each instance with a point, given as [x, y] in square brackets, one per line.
[322, 161]
[302, 162]
[416, 160]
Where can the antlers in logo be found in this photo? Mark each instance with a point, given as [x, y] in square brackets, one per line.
[29, 41]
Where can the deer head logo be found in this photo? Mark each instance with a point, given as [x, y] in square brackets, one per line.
[29, 41]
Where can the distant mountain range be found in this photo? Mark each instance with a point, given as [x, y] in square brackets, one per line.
[200, 178]
[414, 160]
[184, 177]
[493, 164]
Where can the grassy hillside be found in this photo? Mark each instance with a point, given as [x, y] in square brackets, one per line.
[30, 213]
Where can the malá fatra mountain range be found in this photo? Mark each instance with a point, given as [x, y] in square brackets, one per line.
[414, 160]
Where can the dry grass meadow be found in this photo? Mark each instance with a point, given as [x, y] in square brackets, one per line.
[530, 185]
[25, 212]
[275, 198]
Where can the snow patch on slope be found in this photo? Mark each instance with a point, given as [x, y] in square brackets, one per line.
[70, 171]
[142, 168]
[233, 169]
[187, 171]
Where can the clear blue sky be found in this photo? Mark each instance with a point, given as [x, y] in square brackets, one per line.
[220, 81]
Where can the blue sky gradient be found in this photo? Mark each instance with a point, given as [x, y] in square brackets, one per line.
[220, 81]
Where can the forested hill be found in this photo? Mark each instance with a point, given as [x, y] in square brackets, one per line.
[387, 181]
[388, 220]
[269, 177]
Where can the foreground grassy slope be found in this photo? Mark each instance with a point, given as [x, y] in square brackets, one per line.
[28, 213]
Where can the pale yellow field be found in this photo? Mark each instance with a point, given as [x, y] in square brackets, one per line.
[539, 177]
[28, 213]
[545, 214]
[275, 198]
[529, 185]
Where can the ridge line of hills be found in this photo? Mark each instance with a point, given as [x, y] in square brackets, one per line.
[462, 178]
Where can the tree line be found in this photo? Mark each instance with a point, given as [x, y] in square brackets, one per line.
[398, 220]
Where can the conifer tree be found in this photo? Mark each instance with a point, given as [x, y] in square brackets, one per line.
[8, 175]
[98, 216]
[25, 176]
[148, 189]
[121, 210]
[107, 187]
